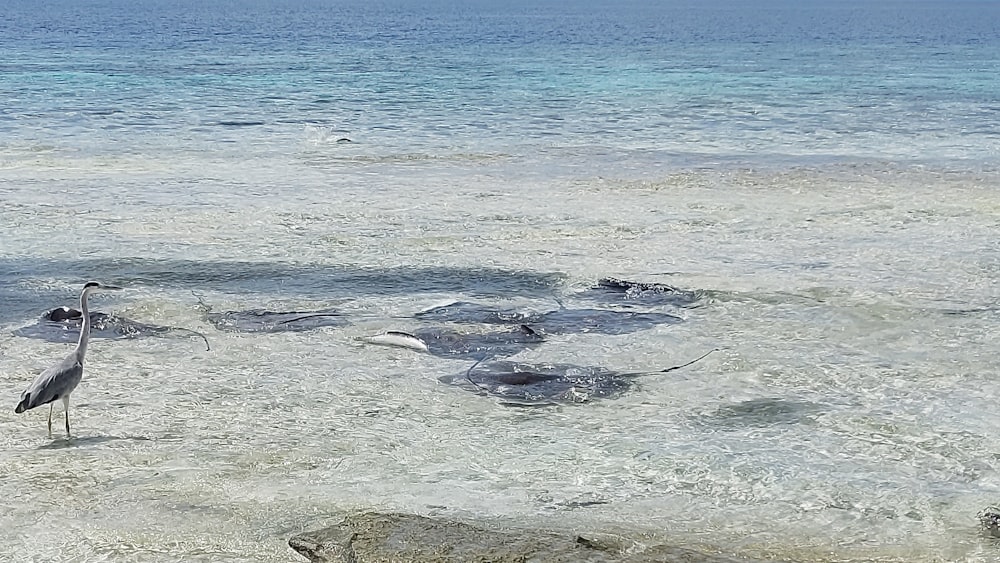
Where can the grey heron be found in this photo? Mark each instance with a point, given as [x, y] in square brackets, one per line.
[60, 380]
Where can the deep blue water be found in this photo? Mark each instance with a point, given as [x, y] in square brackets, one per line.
[757, 81]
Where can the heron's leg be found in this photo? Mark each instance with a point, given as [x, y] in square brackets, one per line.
[50, 420]
[66, 405]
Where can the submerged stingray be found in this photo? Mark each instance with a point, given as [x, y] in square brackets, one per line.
[453, 344]
[601, 321]
[618, 291]
[463, 345]
[517, 383]
[761, 412]
[62, 324]
[259, 320]
[560, 321]
[474, 313]
[524, 384]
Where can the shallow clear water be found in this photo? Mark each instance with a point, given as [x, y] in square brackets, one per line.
[826, 175]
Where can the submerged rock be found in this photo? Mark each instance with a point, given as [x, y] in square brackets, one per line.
[372, 537]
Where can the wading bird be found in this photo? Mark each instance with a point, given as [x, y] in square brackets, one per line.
[60, 380]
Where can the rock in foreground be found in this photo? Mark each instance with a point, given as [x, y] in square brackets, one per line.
[371, 537]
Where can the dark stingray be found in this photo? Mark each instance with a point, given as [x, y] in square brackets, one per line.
[761, 412]
[517, 383]
[600, 321]
[259, 320]
[475, 313]
[62, 324]
[478, 345]
[560, 321]
[614, 290]
[465, 345]
[524, 384]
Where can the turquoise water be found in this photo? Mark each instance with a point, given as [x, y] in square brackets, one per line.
[825, 174]
[673, 82]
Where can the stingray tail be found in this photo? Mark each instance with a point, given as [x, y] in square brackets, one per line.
[192, 333]
[684, 365]
[468, 374]
[698, 359]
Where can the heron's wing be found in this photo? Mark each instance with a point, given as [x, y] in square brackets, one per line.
[52, 384]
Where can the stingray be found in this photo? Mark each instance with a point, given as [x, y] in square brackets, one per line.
[761, 412]
[462, 345]
[62, 324]
[526, 384]
[616, 290]
[559, 321]
[475, 313]
[259, 320]
[600, 321]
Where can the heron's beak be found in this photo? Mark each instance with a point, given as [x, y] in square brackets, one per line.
[110, 287]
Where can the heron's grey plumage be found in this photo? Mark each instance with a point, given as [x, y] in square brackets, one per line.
[59, 381]
[54, 383]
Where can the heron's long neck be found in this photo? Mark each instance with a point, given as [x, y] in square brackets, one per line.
[81, 346]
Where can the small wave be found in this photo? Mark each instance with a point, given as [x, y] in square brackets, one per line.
[320, 135]
[403, 158]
